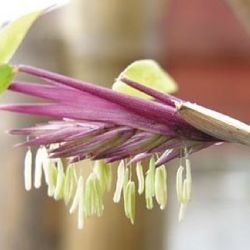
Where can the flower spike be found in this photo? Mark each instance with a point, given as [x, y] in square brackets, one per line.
[106, 126]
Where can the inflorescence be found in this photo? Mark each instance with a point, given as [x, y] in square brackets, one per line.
[99, 124]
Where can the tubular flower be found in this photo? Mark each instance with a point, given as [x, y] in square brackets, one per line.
[105, 126]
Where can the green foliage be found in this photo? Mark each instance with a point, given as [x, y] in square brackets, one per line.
[12, 35]
[148, 73]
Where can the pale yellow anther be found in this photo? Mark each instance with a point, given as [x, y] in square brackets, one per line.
[186, 195]
[104, 174]
[69, 183]
[188, 180]
[161, 186]
[99, 198]
[28, 170]
[124, 188]
[38, 169]
[179, 183]
[140, 177]
[184, 187]
[81, 215]
[109, 176]
[50, 173]
[150, 184]
[78, 193]
[88, 197]
[93, 196]
[129, 201]
[119, 182]
[127, 176]
[58, 193]
[44, 153]
[182, 211]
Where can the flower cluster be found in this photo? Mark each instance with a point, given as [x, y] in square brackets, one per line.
[96, 123]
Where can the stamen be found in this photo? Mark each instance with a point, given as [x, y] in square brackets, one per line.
[109, 177]
[78, 193]
[119, 182]
[161, 186]
[44, 154]
[104, 174]
[93, 196]
[140, 177]
[188, 179]
[185, 192]
[88, 197]
[58, 194]
[184, 187]
[127, 176]
[38, 168]
[124, 188]
[150, 184]
[50, 173]
[129, 201]
[69, 183]
[182, 211]
[80, 221]
[28, 170]
[179, 183]
[99, 198]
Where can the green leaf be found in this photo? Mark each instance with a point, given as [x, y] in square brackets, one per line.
[149, 73]
[7, 72]
[12, 35]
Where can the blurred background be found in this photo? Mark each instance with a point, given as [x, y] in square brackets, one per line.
[205, 46]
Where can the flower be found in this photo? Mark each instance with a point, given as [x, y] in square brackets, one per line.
[100, 124]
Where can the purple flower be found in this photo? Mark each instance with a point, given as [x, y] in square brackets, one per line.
[93, 122]
[99, 123]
